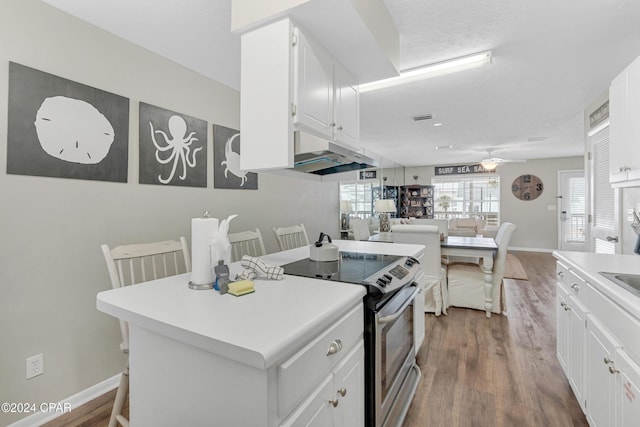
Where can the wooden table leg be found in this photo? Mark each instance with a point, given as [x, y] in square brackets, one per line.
[487, 269]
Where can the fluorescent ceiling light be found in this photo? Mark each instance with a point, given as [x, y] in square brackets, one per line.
[431, 70]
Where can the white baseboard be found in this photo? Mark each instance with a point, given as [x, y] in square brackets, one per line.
[74, 401]
[511, 248]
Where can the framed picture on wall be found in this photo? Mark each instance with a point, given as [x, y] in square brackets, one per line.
[173, 148]
[226, 165]
[59, 128]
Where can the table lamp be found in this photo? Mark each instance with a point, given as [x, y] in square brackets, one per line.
[345, 210]
[383, 208]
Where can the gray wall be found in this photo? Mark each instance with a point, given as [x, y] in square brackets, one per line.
[51, 267]
[537, 219]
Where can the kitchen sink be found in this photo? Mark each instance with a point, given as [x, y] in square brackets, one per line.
[630, 282]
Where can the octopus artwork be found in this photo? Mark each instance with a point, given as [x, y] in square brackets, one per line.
[231, 162]
[73, 130]
[178, 146]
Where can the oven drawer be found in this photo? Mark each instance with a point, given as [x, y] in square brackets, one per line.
[304, 369]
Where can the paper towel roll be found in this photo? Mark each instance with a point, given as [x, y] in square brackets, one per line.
[203, 231]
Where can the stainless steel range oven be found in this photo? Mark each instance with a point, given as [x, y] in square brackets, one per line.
[391, 374]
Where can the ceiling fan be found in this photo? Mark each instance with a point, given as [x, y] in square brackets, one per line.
[490, 163]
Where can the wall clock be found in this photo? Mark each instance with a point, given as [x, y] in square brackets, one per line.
[527, 187]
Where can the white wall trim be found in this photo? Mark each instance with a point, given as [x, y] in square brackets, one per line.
[511, 248]
[76, 401]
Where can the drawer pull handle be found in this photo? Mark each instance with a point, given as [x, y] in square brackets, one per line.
[560, 273]
[563, 304]
[613, 370]
[335, 347]
[567, 308]
[342, 391]
[608, 361]
[334, 402]
[575, 287]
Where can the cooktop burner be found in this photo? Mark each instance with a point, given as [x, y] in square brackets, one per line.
[352, 267]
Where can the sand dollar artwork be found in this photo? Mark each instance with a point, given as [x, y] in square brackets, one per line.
[73, 130]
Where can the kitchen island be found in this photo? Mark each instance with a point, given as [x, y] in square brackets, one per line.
[200, 358]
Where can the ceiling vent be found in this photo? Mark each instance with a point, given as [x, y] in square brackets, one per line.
[422, 117]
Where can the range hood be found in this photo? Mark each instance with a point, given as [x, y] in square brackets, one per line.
[321, 157]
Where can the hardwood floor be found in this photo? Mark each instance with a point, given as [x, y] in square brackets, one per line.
[501, 371]
[95, 413]
[498, 372]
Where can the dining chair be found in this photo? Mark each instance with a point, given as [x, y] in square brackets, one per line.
[246, 243]
[434, 279]
[466, 285]
[360, 229]
[291, 237]
[136, 263]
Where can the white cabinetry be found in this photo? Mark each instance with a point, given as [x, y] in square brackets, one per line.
[571, 322]
[624, 113]
[339, 399]
[597, 347]
[289, 82]
[326, 96]
[600, 354]
[628, 391]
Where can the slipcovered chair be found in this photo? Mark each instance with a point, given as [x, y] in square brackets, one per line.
[360, 229]
[442, 224]
[434, 279]
[466, 287]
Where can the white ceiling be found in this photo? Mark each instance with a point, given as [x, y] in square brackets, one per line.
[551, 59]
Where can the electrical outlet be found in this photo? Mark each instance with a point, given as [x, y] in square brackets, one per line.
[35, 365]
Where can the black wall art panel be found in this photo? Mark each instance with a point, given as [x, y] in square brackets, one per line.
[60, 128]
[173, 148]
[226, 165]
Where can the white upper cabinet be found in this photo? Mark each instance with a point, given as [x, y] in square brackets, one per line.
[289, 82]
[313, 87]
[326, 95]
[346, 106]
[624, 130]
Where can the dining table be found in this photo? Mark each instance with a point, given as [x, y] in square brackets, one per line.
[484, 248]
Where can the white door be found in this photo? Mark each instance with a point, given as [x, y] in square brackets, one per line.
[605, 223]
[571, 211]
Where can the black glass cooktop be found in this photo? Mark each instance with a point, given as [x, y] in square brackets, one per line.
[352, 267]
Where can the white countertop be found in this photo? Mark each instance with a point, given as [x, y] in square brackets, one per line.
[591, 264]
[257, 329]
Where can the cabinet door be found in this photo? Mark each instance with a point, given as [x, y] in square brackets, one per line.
[619, 126]
[418, 313]
[315, 410]
[346, 107]
[313, 87]
[562, 326]
[349, 389]
[632, 148]
[628, 394]
[576, 349]
[600, 374]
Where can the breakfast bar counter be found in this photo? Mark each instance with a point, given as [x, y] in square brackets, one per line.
[222, 357]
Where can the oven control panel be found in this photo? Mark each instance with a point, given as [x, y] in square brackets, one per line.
[396, 275]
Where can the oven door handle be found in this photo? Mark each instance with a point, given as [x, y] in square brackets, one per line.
[398, 313]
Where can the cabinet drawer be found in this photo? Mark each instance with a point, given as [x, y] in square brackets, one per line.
[300, 372]
[576, 285]
[562, 273]
[619, 322]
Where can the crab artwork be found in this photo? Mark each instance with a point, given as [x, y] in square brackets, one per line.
[178, 146]
[231, 160]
